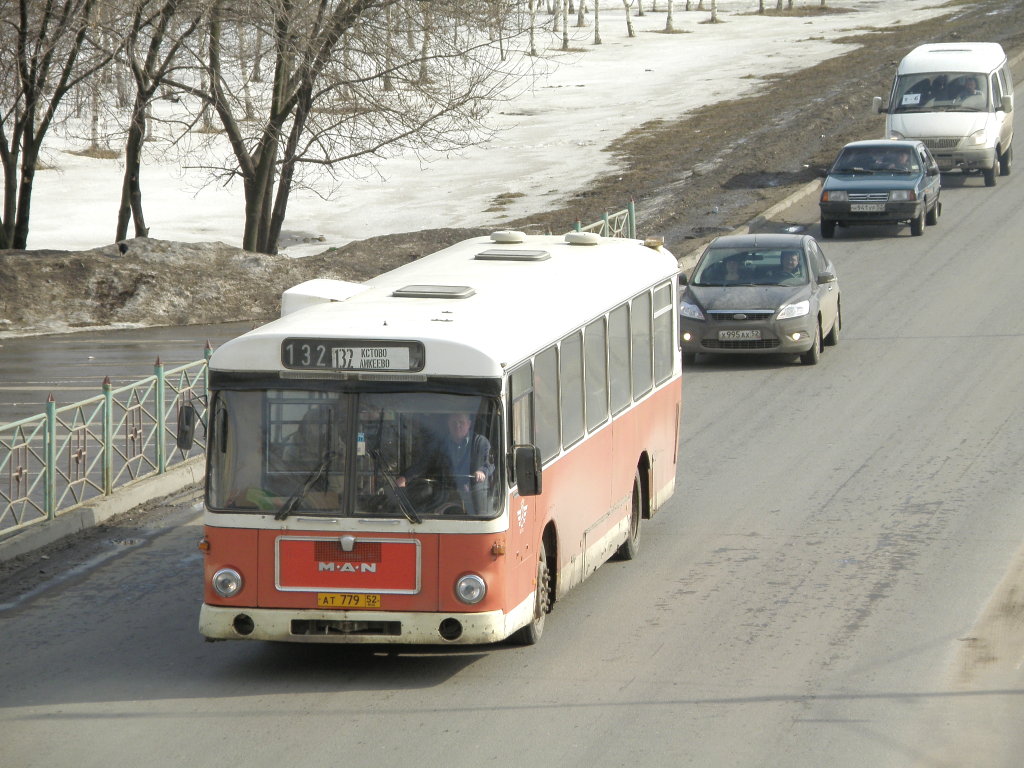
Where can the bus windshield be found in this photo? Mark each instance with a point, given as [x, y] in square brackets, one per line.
[416, 455]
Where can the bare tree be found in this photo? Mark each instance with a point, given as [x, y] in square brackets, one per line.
[630, 30]
[155, 33]
[326, 113]
[49, 53]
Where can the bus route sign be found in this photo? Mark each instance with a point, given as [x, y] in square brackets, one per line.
[351, 355]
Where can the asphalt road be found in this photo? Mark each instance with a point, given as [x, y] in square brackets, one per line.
[825, 588]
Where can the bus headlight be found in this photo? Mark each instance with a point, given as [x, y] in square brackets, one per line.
[227, 582]
[470, 589]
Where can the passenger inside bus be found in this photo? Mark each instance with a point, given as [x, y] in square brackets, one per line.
[462, 459]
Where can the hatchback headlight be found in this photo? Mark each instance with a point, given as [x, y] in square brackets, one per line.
[896, 136]
[902, 195]
[692, 311]
[227, 582]
[798, 309]
[834, 196]
[470, 589]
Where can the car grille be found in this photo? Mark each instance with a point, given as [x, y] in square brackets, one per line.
[762, 344]
[951, 142]
[742, 315]
[869, 197]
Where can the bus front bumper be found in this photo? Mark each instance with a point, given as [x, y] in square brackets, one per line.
[376, 627]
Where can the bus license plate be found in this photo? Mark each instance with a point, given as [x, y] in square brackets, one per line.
[343, 600]
[739, 335]
[867, 207]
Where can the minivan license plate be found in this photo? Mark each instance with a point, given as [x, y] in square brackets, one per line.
[739, 335]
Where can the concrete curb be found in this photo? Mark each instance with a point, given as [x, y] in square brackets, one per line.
[124, 499]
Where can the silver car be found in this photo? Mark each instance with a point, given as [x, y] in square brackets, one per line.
[760, 294]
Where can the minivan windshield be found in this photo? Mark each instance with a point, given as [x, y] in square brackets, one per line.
[411, 454]
[941, 92]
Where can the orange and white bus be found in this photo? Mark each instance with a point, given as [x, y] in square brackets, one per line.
[337, 506]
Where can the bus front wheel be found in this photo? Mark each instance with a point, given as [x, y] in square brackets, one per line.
[531, 633]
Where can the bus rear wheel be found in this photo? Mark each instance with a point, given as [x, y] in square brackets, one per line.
[630, 548]
[531, 633]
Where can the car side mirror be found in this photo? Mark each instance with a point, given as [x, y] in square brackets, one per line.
[186, 427]
[683, 279]
[1006, 103]
[826, 277]
[876, 104]
[526, 462]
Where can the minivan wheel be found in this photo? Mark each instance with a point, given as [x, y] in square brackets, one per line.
[991, 173]
[1006, 161]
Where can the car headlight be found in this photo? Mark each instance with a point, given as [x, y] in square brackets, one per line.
[978, 138]
[896, 136]
[470, 589]
[834, 196]
[692, 311]
[227, 582]
[798, 309]
[902, 195]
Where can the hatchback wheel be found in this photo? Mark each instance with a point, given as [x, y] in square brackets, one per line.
[812, 355]
[932, 217]
[828, 228]
[1006, 161]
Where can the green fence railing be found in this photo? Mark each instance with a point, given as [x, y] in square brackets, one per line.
[61, 459]
[65, 457]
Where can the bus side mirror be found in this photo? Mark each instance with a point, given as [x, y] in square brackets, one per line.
[876, 104]
[526, 461]
[186, 427]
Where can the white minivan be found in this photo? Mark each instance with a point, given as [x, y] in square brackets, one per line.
[958, 99]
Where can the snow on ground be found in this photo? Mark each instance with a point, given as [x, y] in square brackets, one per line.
[549, 142]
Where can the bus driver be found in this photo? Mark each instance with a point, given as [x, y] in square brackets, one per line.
[465, 457]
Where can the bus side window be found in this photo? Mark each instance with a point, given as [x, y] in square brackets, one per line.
[570, 378]
[620, 388]
[664, 332]
[640, 324]
[595, 359]
[545, 403]
[520, 412]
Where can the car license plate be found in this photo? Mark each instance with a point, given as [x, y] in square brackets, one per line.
[345, 600]
[739, 335]
[867, 207]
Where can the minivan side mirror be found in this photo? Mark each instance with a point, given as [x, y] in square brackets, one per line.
[526, 461]
[1006, 103]
[876, 104]
[186, 427]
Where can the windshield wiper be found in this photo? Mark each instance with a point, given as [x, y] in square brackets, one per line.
[293, 501]
[399, 493]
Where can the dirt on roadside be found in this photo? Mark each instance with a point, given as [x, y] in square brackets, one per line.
[691, 178]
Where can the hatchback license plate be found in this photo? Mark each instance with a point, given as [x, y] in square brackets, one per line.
[739, 335]
[343, 600]
[867, 207]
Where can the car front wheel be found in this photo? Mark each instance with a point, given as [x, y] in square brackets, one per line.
[917, 225]
[932, 217]
[812, 355]
[828, 228]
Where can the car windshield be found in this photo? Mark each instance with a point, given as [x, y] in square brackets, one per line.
[879, 158]
[751, 266]
[941, 92]
[368, 454]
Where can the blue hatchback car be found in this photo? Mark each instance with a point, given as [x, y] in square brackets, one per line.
[881, 182]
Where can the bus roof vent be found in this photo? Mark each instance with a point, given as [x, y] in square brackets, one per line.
[582, 238]
[434, 292]
[501, 254]
[508, 236]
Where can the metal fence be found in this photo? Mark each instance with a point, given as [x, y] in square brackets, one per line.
[65, 457]
[619, 224]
